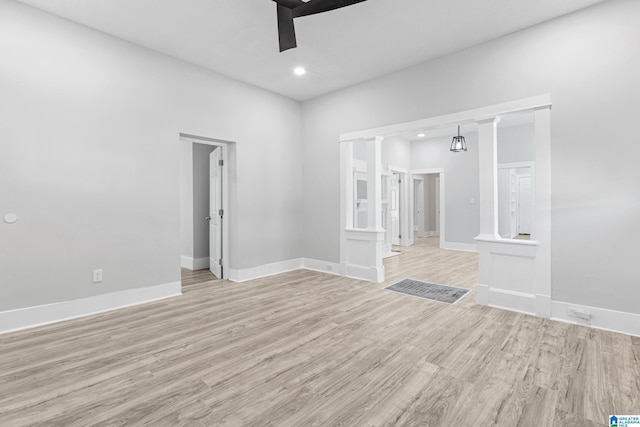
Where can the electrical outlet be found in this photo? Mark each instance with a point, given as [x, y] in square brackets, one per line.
[580, 313]
[97, 275]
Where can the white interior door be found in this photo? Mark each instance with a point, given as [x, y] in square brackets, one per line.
[215, 212]
[394, 199]
[524, 204]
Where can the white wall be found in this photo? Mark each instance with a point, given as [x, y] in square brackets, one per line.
[186, 200]
[89, 160]
[515, 144]
[588, 62]
[396, 151]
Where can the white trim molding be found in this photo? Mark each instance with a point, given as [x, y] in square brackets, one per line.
[322, 266]
[201, 263]
[274, 268]
[601, 318]
[469, 116]
[31, 317]
[264, 270]
[194, 264]
[455, 246]
[511, 300]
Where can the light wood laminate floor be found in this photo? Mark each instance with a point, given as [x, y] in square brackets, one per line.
[306, 348]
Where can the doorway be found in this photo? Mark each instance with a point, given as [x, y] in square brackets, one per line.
[397, 206]
[515, 183]
[428, 202]
[204, 204]
[418, 205]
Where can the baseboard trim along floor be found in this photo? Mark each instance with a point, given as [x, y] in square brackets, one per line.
[30, 317]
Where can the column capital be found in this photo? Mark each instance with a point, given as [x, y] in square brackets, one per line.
[377, 138]
[488, 120]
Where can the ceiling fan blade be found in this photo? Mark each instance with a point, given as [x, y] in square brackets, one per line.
[286, 30]
[318, 6]
[289, 3]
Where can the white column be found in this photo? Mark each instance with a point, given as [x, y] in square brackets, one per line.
[361, 250]
[374, 183]
[542, 230]
[346, 198]
[488, 177]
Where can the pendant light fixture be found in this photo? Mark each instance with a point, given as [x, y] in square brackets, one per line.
[458, 144]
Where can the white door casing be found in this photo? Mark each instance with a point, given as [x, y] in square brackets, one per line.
[215, 212]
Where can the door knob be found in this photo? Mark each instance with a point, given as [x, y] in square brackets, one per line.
[207, 218]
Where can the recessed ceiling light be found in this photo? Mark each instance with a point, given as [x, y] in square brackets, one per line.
[299, 71]
[421, 135]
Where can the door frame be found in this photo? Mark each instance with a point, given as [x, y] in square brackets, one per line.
[440, 173]
[405, 204]
[187, 200]
[418, 183]
[532, 173]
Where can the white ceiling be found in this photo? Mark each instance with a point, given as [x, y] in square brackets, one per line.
[340, 48]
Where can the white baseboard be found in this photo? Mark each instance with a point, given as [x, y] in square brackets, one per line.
[391, 254]
[370, 274]
[601, 318]
[186, 262]
[543, 306]
[467, 247]
[265, 270]
[482, 294]
[201, 263]
[194, 264]
[30, 317]
[322, 266]
[512, 301]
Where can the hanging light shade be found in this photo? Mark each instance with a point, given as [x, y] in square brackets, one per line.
[458, 143]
